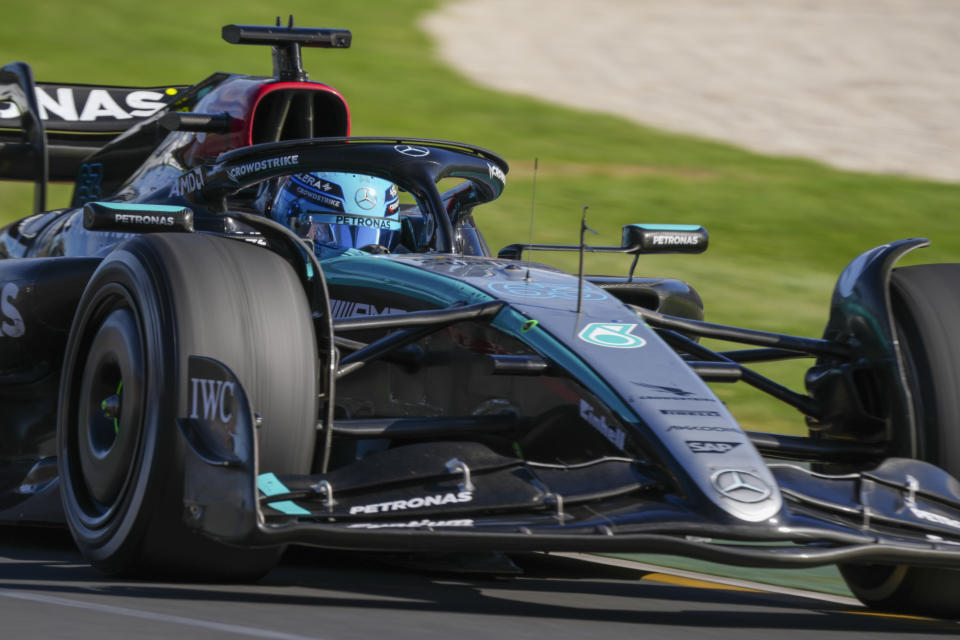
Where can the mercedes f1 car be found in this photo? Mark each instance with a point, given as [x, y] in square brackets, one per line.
[191, 379]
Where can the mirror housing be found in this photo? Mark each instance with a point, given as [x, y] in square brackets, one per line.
[136, 218]
[664, 238]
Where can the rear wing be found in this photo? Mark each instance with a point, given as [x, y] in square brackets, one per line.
[47, 129]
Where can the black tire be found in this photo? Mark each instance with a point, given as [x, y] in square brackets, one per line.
[926, 307]
[150, 305]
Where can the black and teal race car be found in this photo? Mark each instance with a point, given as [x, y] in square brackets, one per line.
[189, 382]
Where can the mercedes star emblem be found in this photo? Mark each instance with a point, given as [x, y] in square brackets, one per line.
[366, 198]
[412, 151]
[742, 486]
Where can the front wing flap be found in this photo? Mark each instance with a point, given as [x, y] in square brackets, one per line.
[458, 496]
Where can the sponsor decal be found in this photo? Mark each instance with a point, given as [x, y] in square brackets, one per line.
[412, 151]
[497, 173]
[318, 183]
[675, 393]
[689, 412]
[677, 427]
[538, 291]
[420, 502]
[24, 227]
[262, 165]
[329, 202]
[349, 309]
[70, 104]
[707, 446]
[212, 399]
[741, 486]
[89, 178]
[671, 390]
[366, 198]
[316, 189]
[413, 524]
[365, 221]
[930, 516]
[137, 218]
[911, 502]
[11, 322]
[674, 239]
[614, 435]
[615, 335]
[188, 182]
[673, 398]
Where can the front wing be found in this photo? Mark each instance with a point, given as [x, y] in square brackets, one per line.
[460, 496]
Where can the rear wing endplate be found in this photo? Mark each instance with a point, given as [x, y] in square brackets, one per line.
[70, 120]
[27, 153]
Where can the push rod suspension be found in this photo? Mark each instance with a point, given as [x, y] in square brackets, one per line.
[812, 346]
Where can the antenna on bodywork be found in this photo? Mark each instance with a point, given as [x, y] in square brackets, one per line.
[287, 61]
[287, 42]
[583, 246]
[533, 206]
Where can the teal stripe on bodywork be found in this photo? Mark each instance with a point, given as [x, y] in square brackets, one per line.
[512, 322]
[668, 227]
[129, 206]
[270, 485]
[389, 275]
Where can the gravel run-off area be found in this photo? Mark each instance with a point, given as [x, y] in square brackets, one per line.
[870, 85]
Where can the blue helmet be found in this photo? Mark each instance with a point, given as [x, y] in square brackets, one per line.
[340, 210]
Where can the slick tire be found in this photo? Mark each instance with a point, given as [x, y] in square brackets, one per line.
[151, 304]
[926, 307]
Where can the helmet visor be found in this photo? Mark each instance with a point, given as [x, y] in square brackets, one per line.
[345, 210]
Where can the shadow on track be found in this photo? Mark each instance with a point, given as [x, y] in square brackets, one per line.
[562, 590]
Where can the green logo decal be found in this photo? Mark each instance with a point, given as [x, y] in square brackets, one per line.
[614, 335]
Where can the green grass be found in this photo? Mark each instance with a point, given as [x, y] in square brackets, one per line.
[781, 229]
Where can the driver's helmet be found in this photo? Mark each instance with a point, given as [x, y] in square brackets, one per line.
[340, 210]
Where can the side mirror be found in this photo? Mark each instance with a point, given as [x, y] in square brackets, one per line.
[136, 218]
[664, 238]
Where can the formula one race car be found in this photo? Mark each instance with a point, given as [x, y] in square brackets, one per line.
[250, 329]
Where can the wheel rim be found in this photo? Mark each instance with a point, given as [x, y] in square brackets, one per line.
[104, 442]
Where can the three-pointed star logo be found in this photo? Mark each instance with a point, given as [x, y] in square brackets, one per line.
[742, 486]
[366, 198]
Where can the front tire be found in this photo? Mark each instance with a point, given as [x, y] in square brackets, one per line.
[926, 307]
[152, 304]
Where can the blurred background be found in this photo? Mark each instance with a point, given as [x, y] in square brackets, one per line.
[799, 133]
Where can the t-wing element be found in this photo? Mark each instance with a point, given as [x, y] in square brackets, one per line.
[286, 43]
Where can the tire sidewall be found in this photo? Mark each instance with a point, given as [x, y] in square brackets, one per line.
[114, 544]
[925, 301]
[213, 297]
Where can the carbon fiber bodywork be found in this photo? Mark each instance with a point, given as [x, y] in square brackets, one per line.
[467, 401]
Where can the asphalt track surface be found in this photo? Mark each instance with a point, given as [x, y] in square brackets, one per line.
[48, 592]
